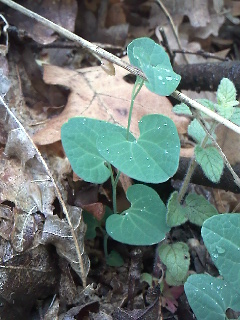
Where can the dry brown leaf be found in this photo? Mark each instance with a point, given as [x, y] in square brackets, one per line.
[96, 95]
[230, 143]
[58, 233]
[24, 230]
[25, 278]
[62, 12]
[6, 222]
[28, 191]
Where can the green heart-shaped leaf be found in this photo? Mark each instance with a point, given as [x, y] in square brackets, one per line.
[210, 297]
[144, 223]
[221, 237]
[151, 53]
[151, 58]
[79, 137]
[152, 158]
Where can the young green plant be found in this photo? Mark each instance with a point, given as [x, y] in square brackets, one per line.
[94, 147]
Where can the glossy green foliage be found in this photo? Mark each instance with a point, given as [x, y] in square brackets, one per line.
[196, 209]
[210, 297]
[177, 260]
[144, 223]
[153, 157]
[79, 136]
[210, 161]
[226, 98]
[151, 58]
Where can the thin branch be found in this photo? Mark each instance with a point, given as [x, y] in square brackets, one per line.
[204, 54]
[192, 103]
[174, 29]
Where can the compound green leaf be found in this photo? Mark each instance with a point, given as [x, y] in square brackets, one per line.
[152, 158]
[151, 58]
[221, 237]
[199, 209]
[196, 131]
[79, 137]
[144, 223]
[226, 97]
[206, 103]
[235, 118]
[210, 161]
[182, 109]
[176, 213]
[210, 297]
[177, 259]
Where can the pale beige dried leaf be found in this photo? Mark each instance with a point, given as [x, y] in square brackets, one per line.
[25, 228]
[96, 95]
[18, 146]
[230, 143]
[58, 233]
[29, 191]
[108, 67]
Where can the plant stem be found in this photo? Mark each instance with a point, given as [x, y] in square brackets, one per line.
[105, 239]
[192, 166]
[137, 87]
[114, 183]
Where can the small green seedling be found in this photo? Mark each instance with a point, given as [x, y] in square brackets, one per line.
[94, 146]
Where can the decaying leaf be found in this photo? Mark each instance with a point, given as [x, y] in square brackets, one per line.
[62, 12]
[29, 192]
[149, 313]
[6, 222]
[58, 233]
[24, 278]
[24, 230]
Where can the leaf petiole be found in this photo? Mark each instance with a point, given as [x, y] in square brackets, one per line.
[137, 87]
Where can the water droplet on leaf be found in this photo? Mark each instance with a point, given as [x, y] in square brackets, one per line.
[220, 250]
